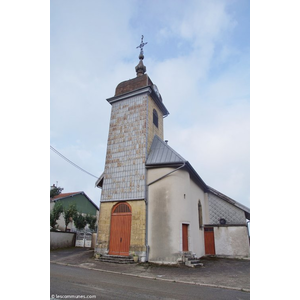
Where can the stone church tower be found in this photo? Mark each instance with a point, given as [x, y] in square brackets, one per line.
[136, 117]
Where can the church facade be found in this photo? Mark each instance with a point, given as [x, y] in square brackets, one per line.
[153, 203]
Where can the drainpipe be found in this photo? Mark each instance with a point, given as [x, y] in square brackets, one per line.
[146, 187]
[146, 203]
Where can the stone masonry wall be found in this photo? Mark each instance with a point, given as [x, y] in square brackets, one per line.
[152, 129]
[138, 226]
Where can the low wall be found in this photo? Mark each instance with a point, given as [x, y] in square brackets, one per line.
[59, 239]
[232, 241]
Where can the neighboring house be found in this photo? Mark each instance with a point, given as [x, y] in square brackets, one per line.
[83, 203]
[153, 202]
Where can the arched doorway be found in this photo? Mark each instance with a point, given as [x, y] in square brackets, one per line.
[120, 229]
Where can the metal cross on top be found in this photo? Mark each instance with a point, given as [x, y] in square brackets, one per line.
[142, 44]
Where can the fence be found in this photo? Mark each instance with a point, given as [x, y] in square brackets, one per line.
[85, 239]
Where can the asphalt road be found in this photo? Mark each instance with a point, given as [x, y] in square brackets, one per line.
[92, 284]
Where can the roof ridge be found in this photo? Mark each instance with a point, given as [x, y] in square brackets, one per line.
[61, 195]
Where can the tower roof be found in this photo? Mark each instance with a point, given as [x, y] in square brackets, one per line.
[139, 85]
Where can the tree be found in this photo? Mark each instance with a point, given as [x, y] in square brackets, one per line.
[55, 214]
[55, 190]
[91, 220]
[80, 221]
[69, 213]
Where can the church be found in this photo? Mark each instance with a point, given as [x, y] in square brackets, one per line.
[153, 202]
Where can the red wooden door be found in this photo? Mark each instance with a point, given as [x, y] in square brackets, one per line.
[185, 240]
[209, 240]
[120, 230]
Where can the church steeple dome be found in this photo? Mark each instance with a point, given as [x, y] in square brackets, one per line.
[140, 68]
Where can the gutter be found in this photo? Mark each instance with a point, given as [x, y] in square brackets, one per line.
[146, 190]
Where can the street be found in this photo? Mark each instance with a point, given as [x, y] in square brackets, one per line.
[93, 284]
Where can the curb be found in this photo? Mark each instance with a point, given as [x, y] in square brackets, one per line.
[153, 278]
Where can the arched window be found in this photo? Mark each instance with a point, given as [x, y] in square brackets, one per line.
[200, 214]
[155, 118]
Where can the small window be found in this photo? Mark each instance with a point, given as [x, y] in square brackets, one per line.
[210, 229]
[155, 118]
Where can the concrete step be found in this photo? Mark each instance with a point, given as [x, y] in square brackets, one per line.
[190, 260]
[116, 259]
[194, 263]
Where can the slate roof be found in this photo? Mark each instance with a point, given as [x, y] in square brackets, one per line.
[99, 182]
[161, 154]
[231, 201]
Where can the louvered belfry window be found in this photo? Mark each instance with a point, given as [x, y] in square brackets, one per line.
[155, 118]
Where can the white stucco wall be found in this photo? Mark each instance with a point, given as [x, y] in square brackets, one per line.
[173, 201]
[196, 194]
[232, 241]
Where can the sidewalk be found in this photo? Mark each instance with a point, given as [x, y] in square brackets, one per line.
[216, 272]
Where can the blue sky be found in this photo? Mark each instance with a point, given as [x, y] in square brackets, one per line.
[198, 54]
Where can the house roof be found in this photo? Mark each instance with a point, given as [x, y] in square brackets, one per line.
[64, 195]
[72, 194]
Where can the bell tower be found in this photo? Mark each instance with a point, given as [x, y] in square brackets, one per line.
[137, 114]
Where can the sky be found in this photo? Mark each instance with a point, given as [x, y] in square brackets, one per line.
[197, 53]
